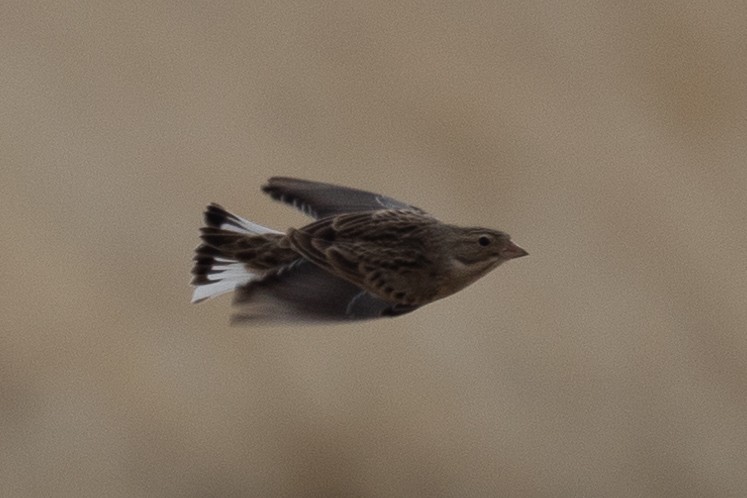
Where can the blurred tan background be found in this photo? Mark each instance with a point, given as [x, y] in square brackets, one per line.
[609, 140]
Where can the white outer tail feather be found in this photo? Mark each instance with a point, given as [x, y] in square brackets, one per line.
[230, 273]
[246, 226]
[230, 276]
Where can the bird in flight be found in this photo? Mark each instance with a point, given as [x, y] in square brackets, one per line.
[366, 256]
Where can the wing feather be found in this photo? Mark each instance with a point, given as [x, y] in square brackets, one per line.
[320, 200]
[303, 292]
[383, 252]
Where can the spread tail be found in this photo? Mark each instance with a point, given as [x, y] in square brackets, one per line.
[219, 263]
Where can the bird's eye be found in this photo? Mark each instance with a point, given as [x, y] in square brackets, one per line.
[484, 240]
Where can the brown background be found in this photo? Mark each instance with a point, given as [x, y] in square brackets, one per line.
[609, 140]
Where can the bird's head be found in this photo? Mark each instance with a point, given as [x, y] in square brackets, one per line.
[476, 251]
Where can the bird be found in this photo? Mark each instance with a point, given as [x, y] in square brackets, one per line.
[365, 256]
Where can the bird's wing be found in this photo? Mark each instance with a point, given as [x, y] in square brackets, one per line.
[303, 292]
[382, 251]
[320, 200]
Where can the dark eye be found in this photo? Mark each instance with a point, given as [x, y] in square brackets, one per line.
[484, 240]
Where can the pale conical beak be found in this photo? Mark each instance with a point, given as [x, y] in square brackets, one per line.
[512, 251]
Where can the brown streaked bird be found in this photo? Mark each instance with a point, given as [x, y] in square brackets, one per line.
[367, 256]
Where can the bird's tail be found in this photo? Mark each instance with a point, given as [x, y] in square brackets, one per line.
[232, 253]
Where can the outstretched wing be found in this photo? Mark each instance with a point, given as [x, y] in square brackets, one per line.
[303, 292]
[320, 200]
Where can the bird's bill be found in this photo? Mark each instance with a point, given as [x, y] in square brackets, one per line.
[512, 251]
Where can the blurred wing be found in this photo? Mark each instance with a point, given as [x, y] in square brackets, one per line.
[303, 292]
[320, 200]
